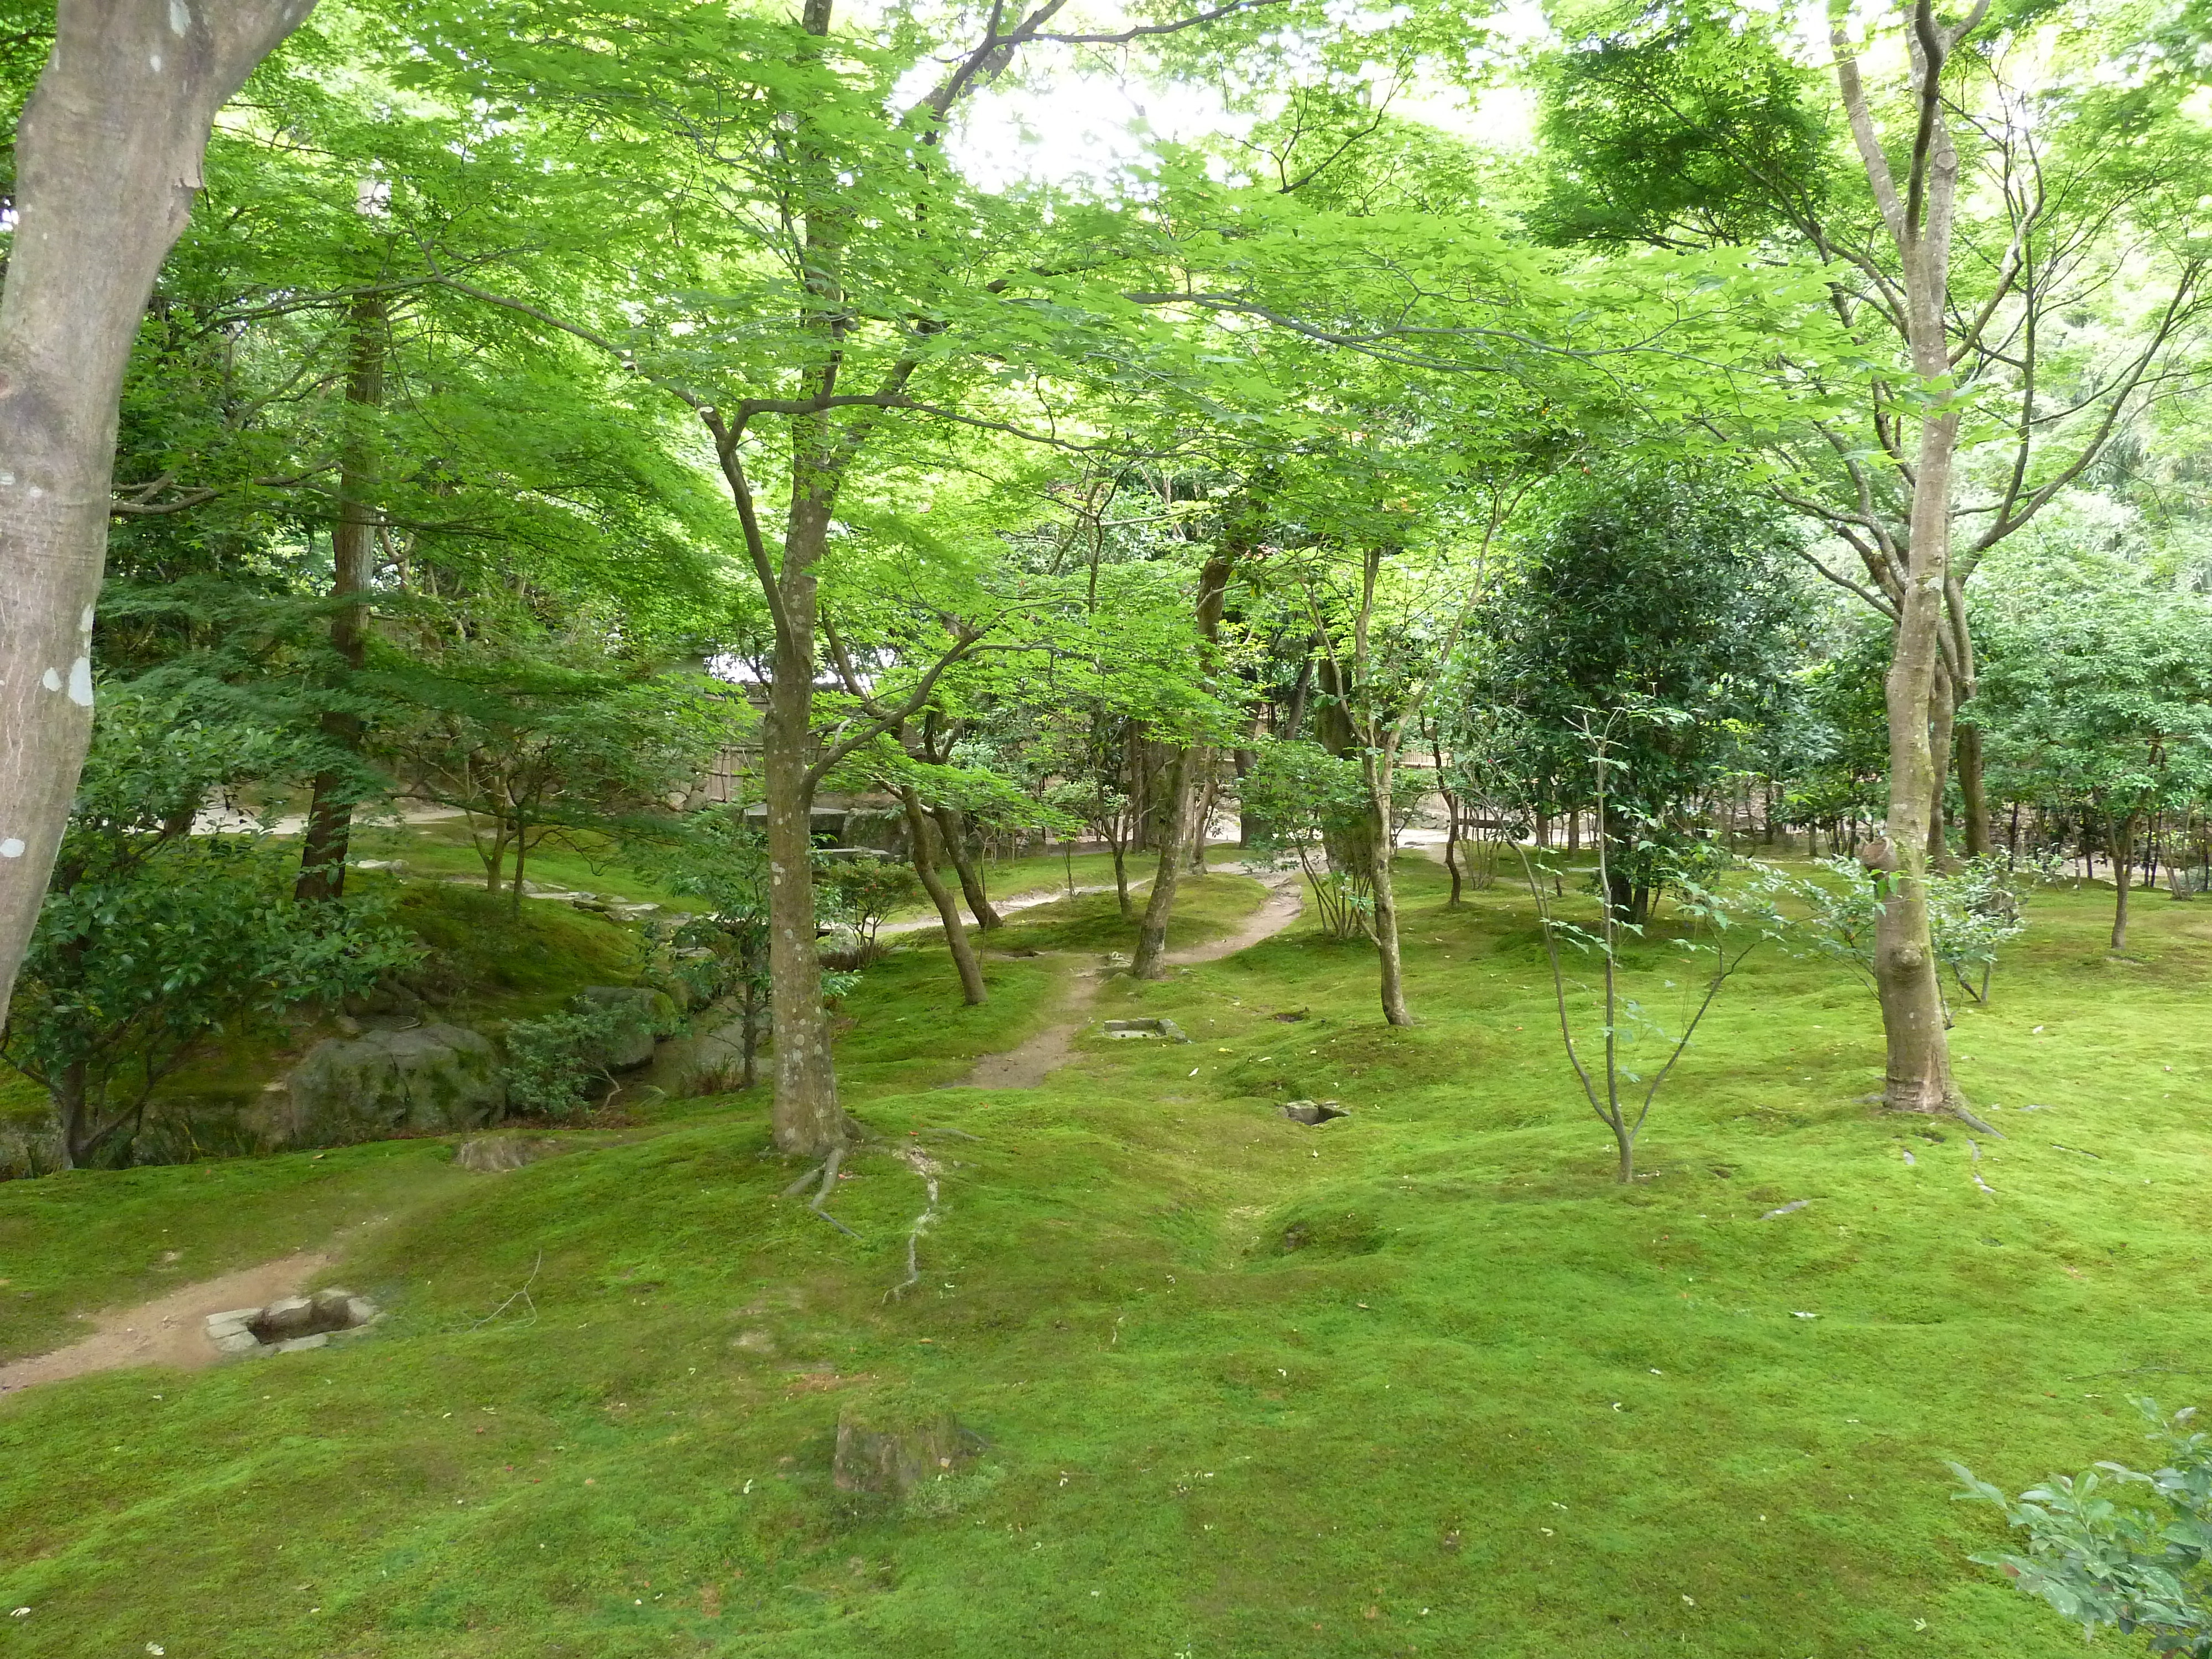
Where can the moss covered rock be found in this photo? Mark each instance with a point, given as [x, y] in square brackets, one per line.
[430, 1079]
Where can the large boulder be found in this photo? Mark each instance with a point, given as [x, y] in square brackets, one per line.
[434, 1079]
[646, 1015]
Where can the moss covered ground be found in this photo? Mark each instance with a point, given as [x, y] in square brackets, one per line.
[1423, 1380]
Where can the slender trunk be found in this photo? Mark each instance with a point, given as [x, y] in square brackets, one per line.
[948, 910]
[1122, 882]
[514, 886]
[749, 1024]
[1150, 961]
[1208, 794]
[2123, 836]
[107, 159]
[1974, 799]
[1387, 957]
[353, 565]
[1919, 221]
[1185, 793]
[952, 828]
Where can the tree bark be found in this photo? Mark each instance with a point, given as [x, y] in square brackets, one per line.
[808, 1120]
[2122, 839]
[1150, 961]
[1389, 959]
[1918, 1070]
[948, 911]
[108, 156]
[353, 567]
[1942, 712]
[952, 828]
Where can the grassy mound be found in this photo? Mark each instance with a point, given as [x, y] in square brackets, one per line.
[1422, 1379]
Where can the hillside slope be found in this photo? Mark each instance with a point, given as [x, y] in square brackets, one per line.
[1421, 1380]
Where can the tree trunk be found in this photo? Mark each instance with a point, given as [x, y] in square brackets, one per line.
[948, 911]
[353, 567]
[952, 826]
[1919, 221]
[1185, 795]
[514, 883]
[71, 1111]
[107, 158]
[1121, 881]
[1387, 954]
[1151, 962]
[2123, 839]
[1974, 798]
[808, 1120]
[1941, 715]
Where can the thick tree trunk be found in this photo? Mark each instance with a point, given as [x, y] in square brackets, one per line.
[808, 1120]
[353, 567]
[953, 828]
[1941, 711]
[72, 1112]
[948, 911]
[107, 158]
[1919, 1061]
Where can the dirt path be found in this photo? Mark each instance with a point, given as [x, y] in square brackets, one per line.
[1004, 907]
[171, 1330]
[1027, 1065]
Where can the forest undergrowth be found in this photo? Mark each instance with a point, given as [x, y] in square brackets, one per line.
[1421, 1380]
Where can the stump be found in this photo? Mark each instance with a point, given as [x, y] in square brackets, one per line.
[887, 1454]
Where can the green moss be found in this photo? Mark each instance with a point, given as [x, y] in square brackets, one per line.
[547, 952]
[1511, 1410]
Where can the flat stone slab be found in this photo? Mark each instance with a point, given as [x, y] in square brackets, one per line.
[1155, 1029]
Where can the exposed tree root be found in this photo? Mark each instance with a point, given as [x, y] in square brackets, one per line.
[828, 1170]
[1959, 1110]
[926, 1167]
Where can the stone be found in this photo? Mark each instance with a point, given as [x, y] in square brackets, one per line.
[1121, 1029]
[650, 1014]
[288, 1316]
[432, 1080]
[292, 1323]
[1313, 1111]
[497, 1154]
[887, 1455]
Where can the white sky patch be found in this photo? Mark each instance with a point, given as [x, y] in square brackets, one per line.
[1078, 120]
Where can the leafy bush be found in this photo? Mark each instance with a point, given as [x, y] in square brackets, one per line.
[555, 1066]
[1973, 912]
[2143, 1568]
[858, 894]
[153, 938]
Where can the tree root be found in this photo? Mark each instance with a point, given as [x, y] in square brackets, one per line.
[926, 1167]
[828, 1170]
[1958, 1108]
